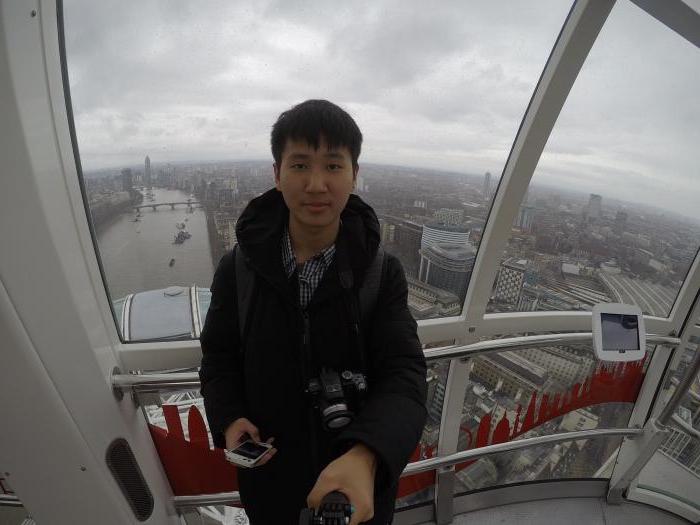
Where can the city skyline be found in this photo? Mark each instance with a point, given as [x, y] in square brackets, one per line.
[494, 179]
[572, 250]
[451, 95]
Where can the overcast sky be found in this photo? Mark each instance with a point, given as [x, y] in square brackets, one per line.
[442, 85]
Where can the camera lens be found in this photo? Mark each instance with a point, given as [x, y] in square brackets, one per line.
[336, 416]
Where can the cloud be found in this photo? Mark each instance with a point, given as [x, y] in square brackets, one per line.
[444, 86]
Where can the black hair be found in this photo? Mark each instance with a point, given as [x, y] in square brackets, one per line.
[312, 119]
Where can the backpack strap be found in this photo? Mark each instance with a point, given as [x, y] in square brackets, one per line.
[367, 298]
[245, 280]
[370, 286]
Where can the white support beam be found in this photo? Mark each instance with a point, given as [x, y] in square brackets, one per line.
[636, 453]
[575, 40]
[568, 55]
[676, 15]
[686, 296]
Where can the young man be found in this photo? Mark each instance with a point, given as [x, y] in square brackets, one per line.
[308, 244]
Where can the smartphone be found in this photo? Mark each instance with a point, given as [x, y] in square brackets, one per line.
[248, 453]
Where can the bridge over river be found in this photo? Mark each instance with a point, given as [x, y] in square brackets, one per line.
[189, 203]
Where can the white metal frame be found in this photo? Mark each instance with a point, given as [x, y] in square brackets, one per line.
[59, 338]
[575, 41]
[650, 497]
[566, 59]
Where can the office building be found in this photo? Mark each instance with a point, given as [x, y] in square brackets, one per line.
[511, 374]
[426, 301]
[510, 281]
[449, 216]
[620, 222]
[435, 232]
[563, 365]
[127, 179]
[447, 266]
[594, 209]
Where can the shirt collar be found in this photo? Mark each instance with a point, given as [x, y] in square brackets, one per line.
[325, 256]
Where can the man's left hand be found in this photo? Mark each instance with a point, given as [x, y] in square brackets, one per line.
[353, 475]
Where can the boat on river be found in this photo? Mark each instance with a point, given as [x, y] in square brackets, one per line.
[181, 236]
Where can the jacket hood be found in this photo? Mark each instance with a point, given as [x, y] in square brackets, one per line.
[260, 227]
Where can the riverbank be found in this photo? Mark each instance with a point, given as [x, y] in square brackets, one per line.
[215, 244]
[107, 207]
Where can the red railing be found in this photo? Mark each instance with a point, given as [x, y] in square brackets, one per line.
[194, 468]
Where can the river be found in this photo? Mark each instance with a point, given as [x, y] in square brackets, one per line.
[136, 255]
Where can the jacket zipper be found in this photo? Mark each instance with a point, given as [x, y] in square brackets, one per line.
[306, 351]
[306, 335]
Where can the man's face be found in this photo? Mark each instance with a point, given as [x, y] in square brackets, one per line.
[315, 184]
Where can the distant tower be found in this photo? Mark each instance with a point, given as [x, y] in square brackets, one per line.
[487, 186]
[620, 222]
[595, 203]
[525, 218]
[147, 173]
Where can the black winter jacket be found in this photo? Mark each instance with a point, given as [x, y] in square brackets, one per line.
[262, 380]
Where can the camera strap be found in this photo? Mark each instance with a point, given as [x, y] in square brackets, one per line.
[370, 288]
[362, 304]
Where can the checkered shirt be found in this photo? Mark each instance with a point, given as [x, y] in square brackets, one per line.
[310, 273]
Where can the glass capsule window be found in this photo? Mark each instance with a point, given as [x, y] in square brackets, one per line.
[584, 458]
[538, 391]
[173, 106]
[611, 213]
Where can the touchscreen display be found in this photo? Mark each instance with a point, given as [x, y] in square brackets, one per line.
[620, 332]
[250, 450]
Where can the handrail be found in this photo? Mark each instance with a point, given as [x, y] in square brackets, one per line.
[466, 455]
[204, 500]
[688, 429]
[8, 500]
[683, 387]
[160, 382]
[435, 463]
[156, 382]
[513, 343]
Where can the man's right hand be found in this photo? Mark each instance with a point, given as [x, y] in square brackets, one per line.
[236, 434]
